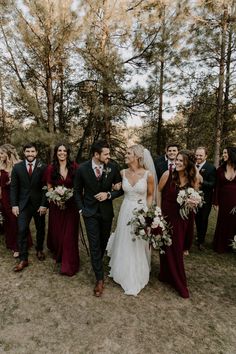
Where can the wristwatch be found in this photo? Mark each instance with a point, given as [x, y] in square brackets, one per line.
[108, 195]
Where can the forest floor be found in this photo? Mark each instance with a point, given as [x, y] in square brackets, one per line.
[44, 312]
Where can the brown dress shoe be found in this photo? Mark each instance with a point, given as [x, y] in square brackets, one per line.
[20, 266]
[40, 255]
[98, 290]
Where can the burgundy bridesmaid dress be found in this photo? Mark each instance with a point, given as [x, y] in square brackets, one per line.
[10, 221]
[63, 226]
[225, 198]
[172, 263]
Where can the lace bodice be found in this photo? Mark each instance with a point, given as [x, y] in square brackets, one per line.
[136, 192]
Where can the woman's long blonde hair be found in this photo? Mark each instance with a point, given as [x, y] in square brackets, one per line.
[12, 157]
[138, 151]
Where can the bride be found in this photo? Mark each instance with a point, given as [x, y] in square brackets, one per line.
[130, 260]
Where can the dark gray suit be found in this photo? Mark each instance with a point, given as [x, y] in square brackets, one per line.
[208, 172]
[161, 167]
[97, 215]
[28, 195]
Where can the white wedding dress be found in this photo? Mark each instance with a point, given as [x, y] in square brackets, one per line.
[130, 260]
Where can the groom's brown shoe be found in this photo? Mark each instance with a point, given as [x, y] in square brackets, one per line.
[20, 266]
[98, 290]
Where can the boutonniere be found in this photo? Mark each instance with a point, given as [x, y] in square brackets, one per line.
[106, 171]
[39, 164]
[233, 211]
[202, 170]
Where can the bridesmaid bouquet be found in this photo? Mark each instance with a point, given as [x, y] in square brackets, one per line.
[1, 218]
[59, 195]
[189, 200]
[149, 224]
[233, 244]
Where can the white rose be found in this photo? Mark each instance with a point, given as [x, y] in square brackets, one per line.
[141, 219]
[142, 233]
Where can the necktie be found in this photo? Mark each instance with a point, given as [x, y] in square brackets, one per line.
[171, 167]
[197, 166]
[30, 170]
[97, 172]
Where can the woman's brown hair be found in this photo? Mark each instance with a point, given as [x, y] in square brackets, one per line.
[190, 168]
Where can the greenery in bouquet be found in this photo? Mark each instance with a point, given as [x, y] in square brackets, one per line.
[59, 195]
[149, 224]
[189, 200]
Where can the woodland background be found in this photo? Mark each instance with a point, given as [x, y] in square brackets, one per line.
[77, 70]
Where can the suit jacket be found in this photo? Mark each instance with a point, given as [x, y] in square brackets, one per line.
[208, 172]
[25, 188]
[160, 159]
[86, 186]
[161, 167]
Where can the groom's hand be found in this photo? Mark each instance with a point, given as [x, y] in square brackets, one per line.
[101, 196]
[42, 210]
[15, 211]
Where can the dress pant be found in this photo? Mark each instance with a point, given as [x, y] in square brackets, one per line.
[201, 220]
[98, 232]
[24, 219]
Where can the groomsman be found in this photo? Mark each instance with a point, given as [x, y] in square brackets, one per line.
[161, 158]
[208, 172]
[93, 193]
[168, 162]
[28, 201]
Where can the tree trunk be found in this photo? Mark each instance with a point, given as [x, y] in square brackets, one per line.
[86, 134]
[3, 114]
[106, 116]
[160, 111]
[50, 103]
[226, 116]
[161, 87]
[220, 95]
[61, 114]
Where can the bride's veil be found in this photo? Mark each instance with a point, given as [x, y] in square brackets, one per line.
[149, 165]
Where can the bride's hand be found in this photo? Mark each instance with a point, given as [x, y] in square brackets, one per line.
[116, 187]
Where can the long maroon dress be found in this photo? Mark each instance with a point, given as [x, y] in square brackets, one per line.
[225, 198]
[63, 225]
[172, 263]
[10, 221]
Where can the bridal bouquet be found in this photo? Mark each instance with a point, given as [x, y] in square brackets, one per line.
[149, 224]
[189, 200]
[59, 195]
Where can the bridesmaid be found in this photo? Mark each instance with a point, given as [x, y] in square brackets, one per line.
[8, 158]
[63, 224]
[171, 263]
[225, 200]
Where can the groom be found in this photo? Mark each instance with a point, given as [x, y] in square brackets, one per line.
[93, 194]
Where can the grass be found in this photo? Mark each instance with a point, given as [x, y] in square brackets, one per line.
[43, 312]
